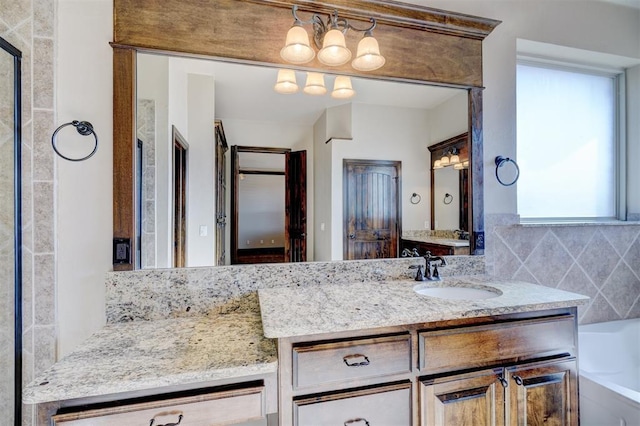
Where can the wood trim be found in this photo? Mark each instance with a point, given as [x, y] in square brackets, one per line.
[476, 173]
[254, 31]
[124, 134]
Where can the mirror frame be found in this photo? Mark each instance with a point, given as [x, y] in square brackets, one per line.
[410, 36]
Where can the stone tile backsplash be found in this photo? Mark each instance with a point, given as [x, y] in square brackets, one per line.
[601, 261]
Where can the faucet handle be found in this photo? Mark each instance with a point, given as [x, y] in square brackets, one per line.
[419, 275]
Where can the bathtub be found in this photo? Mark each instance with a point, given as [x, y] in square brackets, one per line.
[610, 373]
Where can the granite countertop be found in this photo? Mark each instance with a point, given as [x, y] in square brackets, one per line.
[449, 242]
[291, 312]
[147, 355]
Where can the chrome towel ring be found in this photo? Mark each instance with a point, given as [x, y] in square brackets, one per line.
[415, 198]
[85, 129]
[448, 198]
[501, 161]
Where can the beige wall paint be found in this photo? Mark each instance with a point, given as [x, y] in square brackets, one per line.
[84, 89]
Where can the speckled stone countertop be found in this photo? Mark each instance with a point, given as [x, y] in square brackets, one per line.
[149, 355]
[290, 312]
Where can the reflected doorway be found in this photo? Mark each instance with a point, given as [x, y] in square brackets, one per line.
[268, 205]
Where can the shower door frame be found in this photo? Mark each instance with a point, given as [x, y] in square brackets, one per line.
[17, 180]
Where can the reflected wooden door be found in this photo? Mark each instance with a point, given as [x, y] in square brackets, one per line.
[371, 209]
[180, 148]
[295, 238]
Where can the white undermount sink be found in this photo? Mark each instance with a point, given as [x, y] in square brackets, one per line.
[457, 292]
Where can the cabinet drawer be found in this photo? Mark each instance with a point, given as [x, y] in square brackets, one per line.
[477, 346]
[329, 362]
[381, 406]
[246, 406]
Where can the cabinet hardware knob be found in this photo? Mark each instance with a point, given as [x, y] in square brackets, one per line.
[151, 423]
[358, 420]
[518, 380]
[352, 236]
[356, 364]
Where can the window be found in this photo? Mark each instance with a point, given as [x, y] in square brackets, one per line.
[567, 143]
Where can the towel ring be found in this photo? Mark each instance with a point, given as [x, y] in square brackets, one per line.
[85, 129]
[448, 199]
[501, 161]
[415, 198]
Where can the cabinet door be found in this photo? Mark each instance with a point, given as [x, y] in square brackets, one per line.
[544, 394]
[474, 399]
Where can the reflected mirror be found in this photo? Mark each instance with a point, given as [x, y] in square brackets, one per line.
[384, 121]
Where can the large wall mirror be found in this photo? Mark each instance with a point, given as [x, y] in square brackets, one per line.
[396, 114]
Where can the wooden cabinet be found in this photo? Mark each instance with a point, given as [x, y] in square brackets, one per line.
[244, 406]
[517, 369]
[530, 394]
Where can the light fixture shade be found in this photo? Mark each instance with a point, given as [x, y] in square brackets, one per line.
[455, 159]
[444, 161]
[437, 164]
[342, 88]
[286, 83]
[368, 57]
[297, 49]
[315, 84]
[334, 50]
[458, 166]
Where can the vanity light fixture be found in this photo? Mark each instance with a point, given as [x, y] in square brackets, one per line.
[286, 83]
[451, 157]
[329, 37]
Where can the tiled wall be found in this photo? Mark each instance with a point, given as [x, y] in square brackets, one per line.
[599, 261]
[146, 129]
[29, 25]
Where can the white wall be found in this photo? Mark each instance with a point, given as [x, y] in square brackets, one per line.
[201, 209]
[84, 204]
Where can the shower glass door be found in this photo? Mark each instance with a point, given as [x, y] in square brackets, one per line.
[10, 236]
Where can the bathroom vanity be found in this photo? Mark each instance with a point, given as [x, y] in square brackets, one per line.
[373, 352]
[381, 354]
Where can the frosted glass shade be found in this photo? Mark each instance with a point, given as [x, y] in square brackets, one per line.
[315, 84]
[286, 83]
[454, 159]
[444, 161]
[297, 49]
[458, 166]
[368, 57]
[437, 164]
[342, 88]
[334, 50]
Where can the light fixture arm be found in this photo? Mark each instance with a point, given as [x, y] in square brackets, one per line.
[320, 28]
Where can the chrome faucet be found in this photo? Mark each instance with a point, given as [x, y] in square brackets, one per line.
[410, 253]
[431, 270]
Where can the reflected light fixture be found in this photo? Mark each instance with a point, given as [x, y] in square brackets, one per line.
[286, 83]
[315, 84]
[444, 161]
[437, 164]
[329, 37]
[342, 88]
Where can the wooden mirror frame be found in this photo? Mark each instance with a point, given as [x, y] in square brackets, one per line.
[421, 45]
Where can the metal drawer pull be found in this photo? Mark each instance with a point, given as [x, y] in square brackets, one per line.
[151, 423]
[518, 380]
[356, 364]
[358, 420]
[503, 382]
